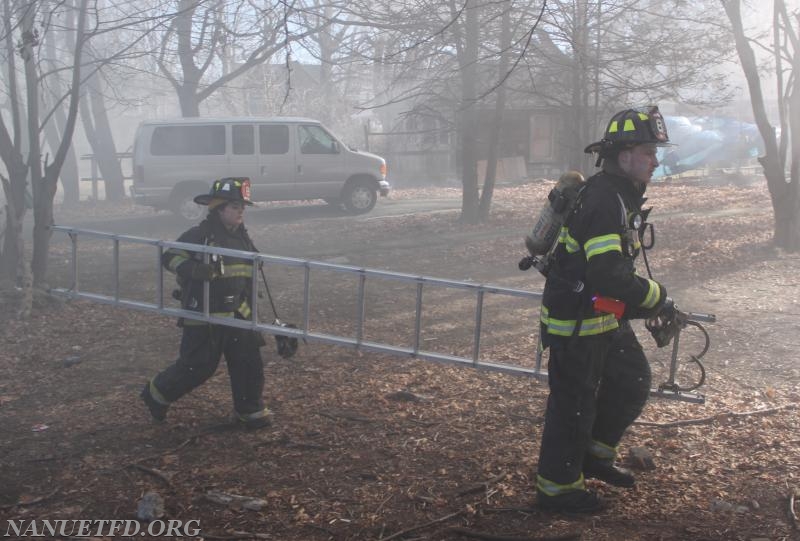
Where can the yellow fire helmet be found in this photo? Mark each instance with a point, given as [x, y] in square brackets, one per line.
[629, 128]
[229, 189]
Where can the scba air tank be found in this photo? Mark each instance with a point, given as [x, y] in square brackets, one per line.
[560, 202]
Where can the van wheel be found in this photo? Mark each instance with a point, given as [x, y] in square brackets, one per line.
[182, 204]
[359, 197]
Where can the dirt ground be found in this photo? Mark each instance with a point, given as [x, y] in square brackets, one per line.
[371, 446]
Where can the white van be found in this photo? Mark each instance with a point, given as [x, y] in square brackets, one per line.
[284, 158]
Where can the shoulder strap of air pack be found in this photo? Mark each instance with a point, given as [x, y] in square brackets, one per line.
[623, 212]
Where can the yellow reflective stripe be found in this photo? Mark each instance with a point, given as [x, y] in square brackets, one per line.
[653, 294]
[255, 415]
[613, 127]
[238, 270]
[552, 488]
[602, 451]
[602, 244]
[156, 394]
[643, 116]
[177, 257]
[569, 243]
[589, 326]
[244, 310]
[628, 126]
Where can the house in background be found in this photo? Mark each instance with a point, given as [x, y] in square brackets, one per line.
[421, 148]
[418, 138]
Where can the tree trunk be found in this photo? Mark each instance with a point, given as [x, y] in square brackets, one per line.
[42, 222]
[787, 213]
[187, 98]
[469, 168]
[70, 177]
[467, 123]
[13, 260]
[578, 109]
[98, 132]
[497, 123]
[34, 141]
[16, 185]
[69, 173]
[187, 90]
[44, 186]
[13, 245]
[592, 120]
[327, 47]
[490, 176]
[783, 194]
[106, 150]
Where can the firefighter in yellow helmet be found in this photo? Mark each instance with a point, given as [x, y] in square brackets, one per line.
[598, 375]
[203, 344]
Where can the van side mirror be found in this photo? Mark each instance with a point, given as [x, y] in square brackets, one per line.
[334, 147]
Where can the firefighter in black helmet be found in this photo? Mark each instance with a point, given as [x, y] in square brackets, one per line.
[203, 344]
[598, 375]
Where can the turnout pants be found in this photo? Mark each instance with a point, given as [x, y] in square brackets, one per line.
[598, 387]
[200, 352]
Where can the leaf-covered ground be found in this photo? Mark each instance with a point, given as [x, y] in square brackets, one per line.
[374, 447]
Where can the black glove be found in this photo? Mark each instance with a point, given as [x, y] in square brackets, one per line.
[203, 271]
[666, 324]
[667, 310]
[287, 345]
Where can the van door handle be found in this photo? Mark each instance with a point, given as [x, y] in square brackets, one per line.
[299, 169]
[263, 170]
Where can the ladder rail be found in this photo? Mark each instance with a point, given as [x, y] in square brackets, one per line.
[420, 282]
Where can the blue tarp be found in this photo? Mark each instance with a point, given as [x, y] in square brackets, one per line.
[707, 142]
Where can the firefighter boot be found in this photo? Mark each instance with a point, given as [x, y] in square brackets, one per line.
[157, 409]
[574, 501]
[606, 471]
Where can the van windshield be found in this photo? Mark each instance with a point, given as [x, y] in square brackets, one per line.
[315, 140]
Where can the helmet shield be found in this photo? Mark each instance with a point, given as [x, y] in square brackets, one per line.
[629, 128]
[229, 189]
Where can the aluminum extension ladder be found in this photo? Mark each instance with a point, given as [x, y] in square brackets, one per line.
[304, 332]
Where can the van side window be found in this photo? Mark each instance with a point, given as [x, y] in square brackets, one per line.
[273, 138]
[188, 140]
[244, 141]
[315, 140]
